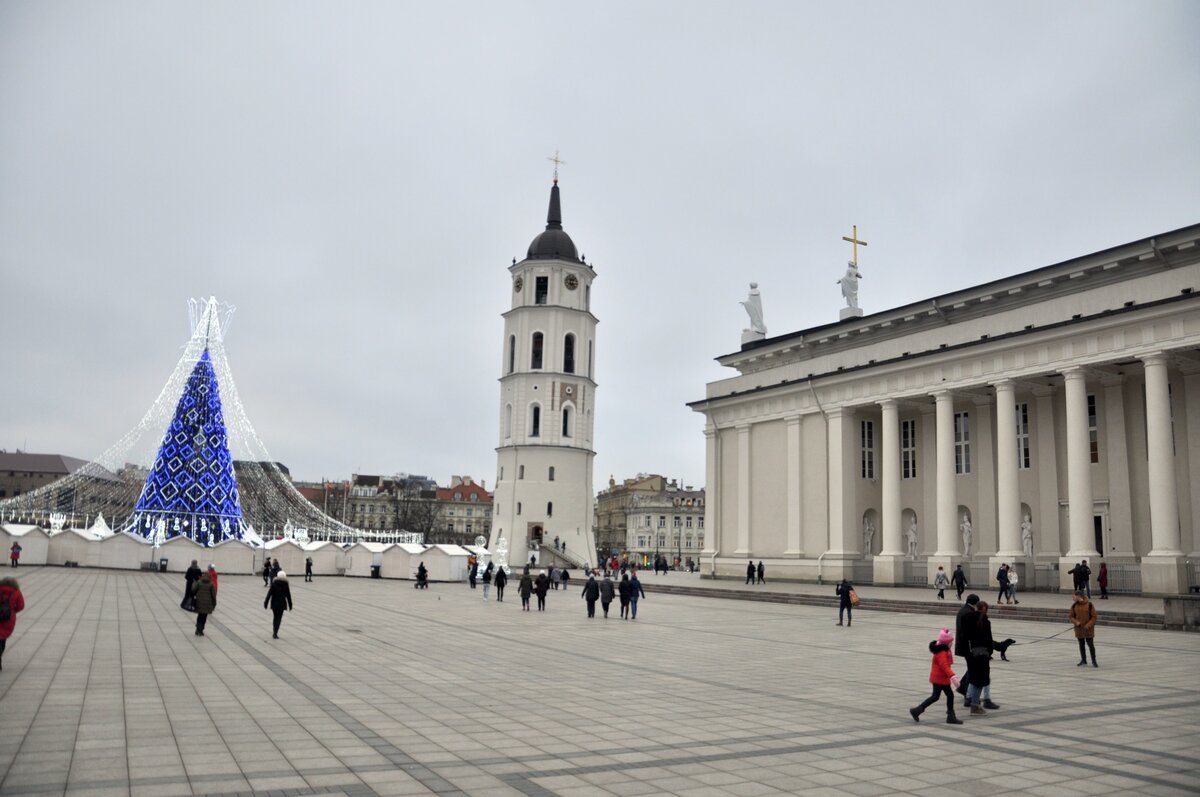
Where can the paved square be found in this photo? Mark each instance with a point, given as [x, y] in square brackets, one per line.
[379, 689]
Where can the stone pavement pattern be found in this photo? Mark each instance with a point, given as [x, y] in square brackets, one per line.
[379, 689]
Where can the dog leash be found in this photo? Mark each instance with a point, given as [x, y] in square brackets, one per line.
[1043, 639]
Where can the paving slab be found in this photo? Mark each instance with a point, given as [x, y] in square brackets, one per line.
[374, 690]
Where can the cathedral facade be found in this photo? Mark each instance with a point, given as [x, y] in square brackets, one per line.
[543, 495]
[1039, 420]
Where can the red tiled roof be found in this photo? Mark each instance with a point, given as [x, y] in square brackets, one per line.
[466, 490]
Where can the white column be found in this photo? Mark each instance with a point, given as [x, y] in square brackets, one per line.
[890, 465]
[795, 481]
[1164, 501]
[712, 492]
[1008, 497]
[947, 499]
[845, 533]
[1080, 505]
[1047, 536]
[743, 491]
[1120, 515]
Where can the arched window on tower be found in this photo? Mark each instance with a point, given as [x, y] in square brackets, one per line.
[535, 421]
[569, 354]
[536, 354]
[549, 509]
[550, 473]
[512, 353]
[567, 431]
[507, 421]
[590, 360]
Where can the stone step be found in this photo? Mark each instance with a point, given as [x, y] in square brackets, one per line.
[949, 608]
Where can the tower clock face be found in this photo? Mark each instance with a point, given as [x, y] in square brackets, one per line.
[571, 281]
[518, 284]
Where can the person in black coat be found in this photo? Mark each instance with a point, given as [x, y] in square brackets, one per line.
[845, 605]
[541, 585]
[190, 579]
[962, 642]
[750, 572]
[422, 577]
[979, 660]
[501, 579]
[473, 575]
[761, 573]
[279, 597]
[266, 571]
[623, 592]
[308, 569]
[591, 592]
[606, 594]
[959, 580]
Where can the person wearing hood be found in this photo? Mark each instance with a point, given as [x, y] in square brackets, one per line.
[606, 594]
[940, 674]
[279, 597]
[525, 588]
[501, 580]
[212, 573]
[487, 580]
[204, 594]
[11, 602]
[541, 585]
[591, 591]
[623, 592]
[189, 581]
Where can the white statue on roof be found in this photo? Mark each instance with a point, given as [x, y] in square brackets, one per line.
[753, 305]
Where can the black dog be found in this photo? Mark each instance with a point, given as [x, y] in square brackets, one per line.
[1003, 647]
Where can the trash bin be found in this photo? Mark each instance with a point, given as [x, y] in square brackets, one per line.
[162, 565]
[375, 571]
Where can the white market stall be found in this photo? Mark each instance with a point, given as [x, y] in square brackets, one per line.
[289, 554]
[74, 545]
[361, 555]
[179, 553]
[231, 556]
[122, 551]
[34, 542]
[445, 562]
[328, 559]
[400, 560]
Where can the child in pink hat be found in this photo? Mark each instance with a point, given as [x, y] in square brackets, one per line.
[940, 674]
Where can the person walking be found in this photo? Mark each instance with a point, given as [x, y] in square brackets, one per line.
[761, 571]
[541, 585]
[308, 569]
[212, 574]
[565, 575]
[635, 592]
[276, 568]
[422, 576]
[14, 555]
[591, 592]
[750, 571]
[940, 582]
[501, 581]
[959, 579]
[1102, 580]
[606, 594]
[487, 580]
[1083, 616]
[979, 661]
[267, 572]
[473, 574]
[554, 577]
[525, 588]
[189, 581]
[940, 675]
[962, 647]
[11, 603]
[279, 596]
[205, 593]
[844, 591]
[1002, 580]
[1082, 577]
[1012, 584]
[623, 590]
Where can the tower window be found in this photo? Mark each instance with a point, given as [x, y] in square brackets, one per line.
[512, 353]
[589, 359]
[962, 443]
[518, 507]
[535, 428]
[536, 354]
[549, 509]
[520, 471]
[507, 421]
[550, 473]
[541, 290]
[566, 422]
[569, 354]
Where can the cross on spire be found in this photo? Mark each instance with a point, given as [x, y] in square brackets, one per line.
[853, 239]
[555, 160]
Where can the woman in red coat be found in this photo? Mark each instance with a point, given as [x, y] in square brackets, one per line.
[11, 602]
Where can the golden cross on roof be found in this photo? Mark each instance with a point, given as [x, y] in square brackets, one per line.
[556, 163]
[853, 239]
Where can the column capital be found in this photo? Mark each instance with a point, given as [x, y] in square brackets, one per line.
[840, 412]
[943, 396]
[742, 428]
[1074, 372]
[1005, 384]
[1155, 358]
[710, 431]
[793, 420]
[888, 403]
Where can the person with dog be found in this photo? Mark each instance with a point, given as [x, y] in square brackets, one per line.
[279, 599]
[1083, 616]
[940, 582]
[940, 675]
[962, 647]
[844, 591]
[979, 661]
[959, 579]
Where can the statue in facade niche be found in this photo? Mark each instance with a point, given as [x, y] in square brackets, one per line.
[868, 535]
[966, 529]
[910, 539]
[1027, 536]
[753, 305]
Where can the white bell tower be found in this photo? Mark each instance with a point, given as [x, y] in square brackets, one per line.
[547, 398]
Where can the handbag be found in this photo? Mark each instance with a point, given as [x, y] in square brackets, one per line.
[853, 598]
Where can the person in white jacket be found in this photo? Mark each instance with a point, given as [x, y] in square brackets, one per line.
[1012, 584]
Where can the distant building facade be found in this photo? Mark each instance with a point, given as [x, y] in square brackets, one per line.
[464, 512]
[667, 522]
[21, 472]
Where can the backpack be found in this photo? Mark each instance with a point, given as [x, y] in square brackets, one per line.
[6, 607]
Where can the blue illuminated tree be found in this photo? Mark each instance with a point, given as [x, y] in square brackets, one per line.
[192, 490]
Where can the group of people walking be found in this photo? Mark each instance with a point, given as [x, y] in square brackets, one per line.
[628, 590]
[200, 592]
[756, 575]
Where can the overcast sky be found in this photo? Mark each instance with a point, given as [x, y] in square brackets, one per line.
[357, 177]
